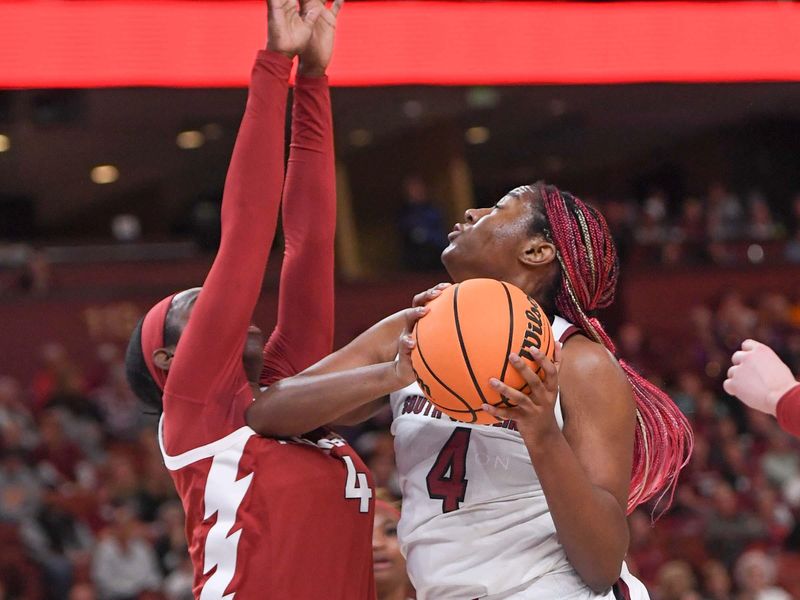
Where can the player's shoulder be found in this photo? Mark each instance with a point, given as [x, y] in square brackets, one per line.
[579, 353]
[589, 366]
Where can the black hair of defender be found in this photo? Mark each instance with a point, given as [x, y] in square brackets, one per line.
[138, 374]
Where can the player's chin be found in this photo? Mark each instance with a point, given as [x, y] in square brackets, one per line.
[449, 255]
[453, 261]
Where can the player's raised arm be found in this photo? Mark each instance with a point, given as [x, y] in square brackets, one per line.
[304, 333]
[208, 358]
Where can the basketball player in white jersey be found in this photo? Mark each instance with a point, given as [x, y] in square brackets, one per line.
[534, 507]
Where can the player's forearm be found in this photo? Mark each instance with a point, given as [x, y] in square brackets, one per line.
[249, 214]
[361, 414]
[253, 186]
[309, 223]
[590, 523]
[299, 404]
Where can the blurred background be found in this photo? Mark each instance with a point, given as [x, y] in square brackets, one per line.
[110, 196]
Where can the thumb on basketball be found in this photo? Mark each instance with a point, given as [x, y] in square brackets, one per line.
[402, 364]
[412, 315]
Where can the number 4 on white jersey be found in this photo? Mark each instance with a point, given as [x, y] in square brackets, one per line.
[356, 486]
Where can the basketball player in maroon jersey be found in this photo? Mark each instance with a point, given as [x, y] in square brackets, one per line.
[265, 518]
[623, 443]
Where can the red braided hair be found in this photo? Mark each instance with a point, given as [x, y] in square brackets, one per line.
[589, 272]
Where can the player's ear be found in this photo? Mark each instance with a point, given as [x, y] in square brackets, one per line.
[162, 357]
[537, 251]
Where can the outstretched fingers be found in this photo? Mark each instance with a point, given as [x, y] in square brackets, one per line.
[550, 383]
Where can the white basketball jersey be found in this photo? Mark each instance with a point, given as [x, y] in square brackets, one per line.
[475, 522]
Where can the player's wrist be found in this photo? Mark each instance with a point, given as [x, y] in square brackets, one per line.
[776, 395]
[393, 376]
[274, 49]
[539, 440]
[311, 70]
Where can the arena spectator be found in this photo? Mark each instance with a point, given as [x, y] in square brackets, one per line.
[676, 581]
[725, 213]
[717, 584]
[422, 226]
[391, 580]
[755, 575]
[124, 563]
[731, 527]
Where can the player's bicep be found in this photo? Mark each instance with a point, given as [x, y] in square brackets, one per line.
[599, 416]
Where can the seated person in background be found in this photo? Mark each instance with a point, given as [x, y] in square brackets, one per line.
[389, 566]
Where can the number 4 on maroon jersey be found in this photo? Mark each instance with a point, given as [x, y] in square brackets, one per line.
[447, 479]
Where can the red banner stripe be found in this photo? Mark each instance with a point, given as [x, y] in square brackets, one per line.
[81, 43]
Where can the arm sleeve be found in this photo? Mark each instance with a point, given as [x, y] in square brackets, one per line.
[304, 332]
[207, 372]
[788, 411]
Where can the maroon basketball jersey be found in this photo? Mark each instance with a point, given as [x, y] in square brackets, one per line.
[283, 519]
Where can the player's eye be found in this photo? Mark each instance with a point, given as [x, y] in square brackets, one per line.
[392, 531]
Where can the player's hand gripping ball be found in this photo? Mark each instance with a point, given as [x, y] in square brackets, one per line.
[466, 339]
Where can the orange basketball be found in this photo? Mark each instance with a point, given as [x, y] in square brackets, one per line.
[465, 340]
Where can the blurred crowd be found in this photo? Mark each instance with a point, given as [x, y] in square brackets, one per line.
[720, 227]
[706, 229]
[88, 511]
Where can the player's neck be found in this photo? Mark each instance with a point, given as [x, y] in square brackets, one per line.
[399, 593]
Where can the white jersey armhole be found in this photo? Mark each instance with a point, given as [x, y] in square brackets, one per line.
[178, 461]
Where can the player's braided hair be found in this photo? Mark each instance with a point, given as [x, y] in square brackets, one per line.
[588, 279]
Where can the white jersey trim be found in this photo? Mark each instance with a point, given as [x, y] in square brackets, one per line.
[560, 327]
[179, 461]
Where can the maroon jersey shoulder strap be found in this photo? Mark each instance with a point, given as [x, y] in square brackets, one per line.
[568, 333]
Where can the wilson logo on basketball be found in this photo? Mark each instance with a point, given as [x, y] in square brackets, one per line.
[465, 340]
[533, 334]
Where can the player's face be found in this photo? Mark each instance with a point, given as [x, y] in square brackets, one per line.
[252, 357]
[388, 563]
[489, 242]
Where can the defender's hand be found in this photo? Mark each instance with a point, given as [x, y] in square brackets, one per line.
[758, 377]
[317, 55]
[289, 28]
